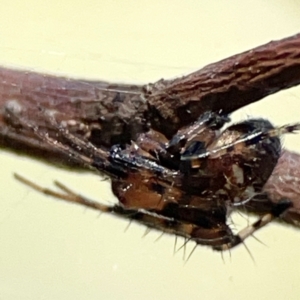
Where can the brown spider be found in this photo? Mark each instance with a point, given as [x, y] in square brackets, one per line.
[188, 185]
[172, 164]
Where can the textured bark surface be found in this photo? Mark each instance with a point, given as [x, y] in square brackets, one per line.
[109, 113]
[226, 85]
[285, 183]
[116, 113]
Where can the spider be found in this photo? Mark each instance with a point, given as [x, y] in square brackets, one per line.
[181, 180]
[187, 185]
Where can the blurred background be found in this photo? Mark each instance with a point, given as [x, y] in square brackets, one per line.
[54, 250]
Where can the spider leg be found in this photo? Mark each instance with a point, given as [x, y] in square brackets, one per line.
[83, 151]
[204, 129]
[248, 139]
[276, 212]
[212, 237]
[79, 149]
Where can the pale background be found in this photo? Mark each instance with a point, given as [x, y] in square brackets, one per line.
[54, 250]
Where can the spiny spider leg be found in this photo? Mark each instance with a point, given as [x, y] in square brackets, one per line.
[159, 222]
[147, 218]
[249, 139]
[207, 121]
[86, 153]
[277, 210]
[81, 152]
